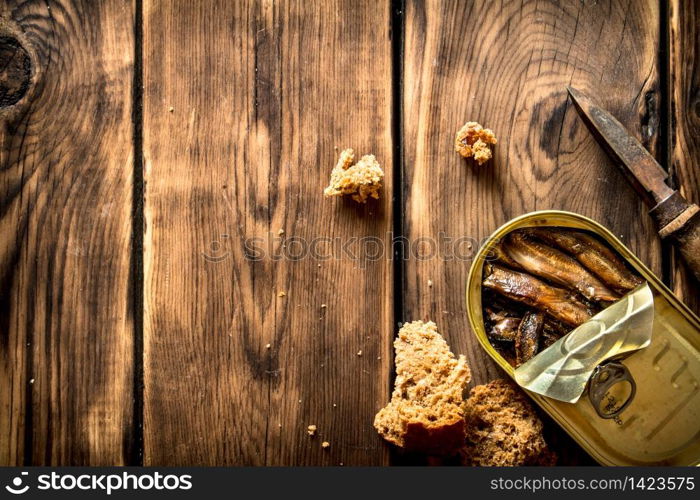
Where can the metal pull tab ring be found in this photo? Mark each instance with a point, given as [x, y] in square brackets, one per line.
[604, 377]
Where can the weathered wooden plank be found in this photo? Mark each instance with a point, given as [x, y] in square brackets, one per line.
[506, 65]
[66, 324]
[244, 105]
[684, 22]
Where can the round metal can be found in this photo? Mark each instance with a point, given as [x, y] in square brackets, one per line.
[661, 426]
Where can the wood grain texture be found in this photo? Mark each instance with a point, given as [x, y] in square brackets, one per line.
[246, 108]
[66, 329]
[684, 65]
[245, 104]
[506, 64]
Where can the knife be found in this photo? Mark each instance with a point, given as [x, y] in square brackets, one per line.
[676, 219]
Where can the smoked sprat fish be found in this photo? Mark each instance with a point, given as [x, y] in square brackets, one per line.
[556, 302]
[555, 266]
[528, 337]
[498, 254]
[592, 254]
[539, 283]
[503, 327]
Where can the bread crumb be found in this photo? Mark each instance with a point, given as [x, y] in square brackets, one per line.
[430, 283]
[323, 306]
[334, 405]
[311, 430]
[473, 140]
[280, 232]
[281, 294]
[426, 411]
[268, 346]
[325, 444]
[503, 428]
[171, 109]
[31, 380]
[361, 180]
[359, 353]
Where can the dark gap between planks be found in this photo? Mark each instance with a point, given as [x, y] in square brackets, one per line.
[665, 148]
[396, 31]
[134, 449]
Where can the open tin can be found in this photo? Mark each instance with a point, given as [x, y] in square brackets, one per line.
[661, 424]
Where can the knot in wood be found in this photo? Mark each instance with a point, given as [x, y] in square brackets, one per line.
[15, 71]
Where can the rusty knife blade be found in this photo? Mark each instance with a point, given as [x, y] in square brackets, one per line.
[640, 167]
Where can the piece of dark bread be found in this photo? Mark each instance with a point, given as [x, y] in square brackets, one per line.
[426, 411]
[503, 428]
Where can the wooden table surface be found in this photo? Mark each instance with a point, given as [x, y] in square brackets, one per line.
[153, 150]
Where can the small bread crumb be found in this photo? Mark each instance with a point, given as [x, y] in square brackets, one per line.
[473, 140]
[281, 294]
[171, 109]
[430, 283]
[268, 346]
[359, 353]
[361, 180]
[323, 306]
[325, 444]
[311, 430]
[280, 232]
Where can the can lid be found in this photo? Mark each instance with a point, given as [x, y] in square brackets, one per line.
[562, 371]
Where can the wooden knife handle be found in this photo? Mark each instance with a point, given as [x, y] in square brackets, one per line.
[687, 240]
[679, 222]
